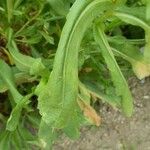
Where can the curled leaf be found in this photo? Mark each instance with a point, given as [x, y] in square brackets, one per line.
[89, 112]
[28, 64]
[58, 99]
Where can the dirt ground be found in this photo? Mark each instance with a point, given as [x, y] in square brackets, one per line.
[117, 132]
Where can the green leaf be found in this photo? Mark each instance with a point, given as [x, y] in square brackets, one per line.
[7, 76]
[140, 67]
[19, 77]
[95, 91]
[147, 46]
[85, 94]
[4, 139]
[59, 6]
[10, 9]
[2, 9]
[3, 86]
[117, 77]
[138, 12]
[17, 141]
[25, 63]
[59, 97]
[138, 22]
[148, 10]
[40, 86]
[130, 19]
[119, 2]
[13, 120]
[34, 119]
[33, 40]
[72, 128]
[25, 134]
[46, 136]
[48, 38]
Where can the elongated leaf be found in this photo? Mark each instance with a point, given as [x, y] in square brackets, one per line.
[17, 141]
[132, 20]
[4, 138]
[114, 101]
[20, 77]
[89, 112]
[10, 10]
[13, 120]
[25, 134]
[2, 9]
[148, 10]
[48, 38]
[117, 77]
[59, 98]
[138, 12]
[140, 67]
[131, 53]
[147, 46]
[7, 77]
[25, 63]
[84, 93]
[138, 22]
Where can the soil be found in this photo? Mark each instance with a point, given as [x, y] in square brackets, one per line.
[116, 131]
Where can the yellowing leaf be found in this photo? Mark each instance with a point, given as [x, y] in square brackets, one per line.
[141, 69]
[140, 66]
[89, 112]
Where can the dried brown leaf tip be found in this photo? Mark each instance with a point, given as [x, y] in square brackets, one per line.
[141, 69]
[90, 113]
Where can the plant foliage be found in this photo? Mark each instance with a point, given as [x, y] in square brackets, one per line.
[58, 57]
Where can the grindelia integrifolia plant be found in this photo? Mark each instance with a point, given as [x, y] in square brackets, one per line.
[58, 96]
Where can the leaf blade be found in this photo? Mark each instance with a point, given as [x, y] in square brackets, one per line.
[117, 77]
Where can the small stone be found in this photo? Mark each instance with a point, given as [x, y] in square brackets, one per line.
[142, 81]
[139, 105]
[105, 135]
[122, 122]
